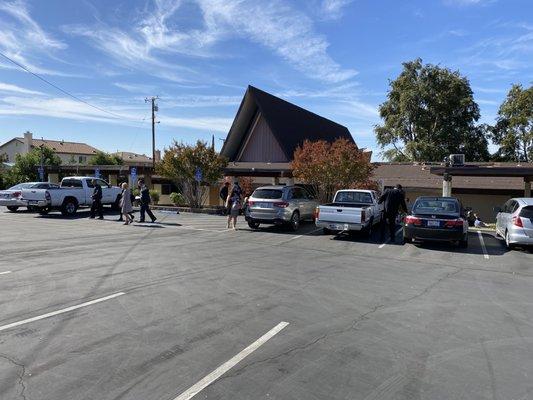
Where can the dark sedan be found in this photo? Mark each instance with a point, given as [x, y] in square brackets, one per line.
[436, 219]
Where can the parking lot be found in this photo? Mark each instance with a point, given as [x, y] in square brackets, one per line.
[186, 309]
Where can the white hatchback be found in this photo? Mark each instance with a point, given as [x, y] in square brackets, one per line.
[514, 222]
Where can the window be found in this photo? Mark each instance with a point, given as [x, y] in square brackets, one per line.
[166, 189]
[82, 159]
[267, 194]
[514, 206]
[296, 193]
[527, 212]
[71, 183]
[353, 197]
[436, 206]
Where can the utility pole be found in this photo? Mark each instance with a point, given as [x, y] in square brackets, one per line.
[154, 110]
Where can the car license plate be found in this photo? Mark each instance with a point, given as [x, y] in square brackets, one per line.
[33, 203]
[434, 224]
[264, 205]
[339, 227]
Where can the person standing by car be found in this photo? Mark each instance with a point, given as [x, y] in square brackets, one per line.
[145, 201]
[393, 200]
[96, 206]
[224, 191]
[125, 204]
[234, 204]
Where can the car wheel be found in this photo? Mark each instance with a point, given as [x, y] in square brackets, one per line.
[12, 208]
[464, 242]
[69, 208]
[294, 224]
[253, 224]
[509, 245]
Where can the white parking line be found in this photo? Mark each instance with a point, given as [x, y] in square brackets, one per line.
[64, 310]
[5, 272]
[217, 373]
[482, 241]
[384, 244]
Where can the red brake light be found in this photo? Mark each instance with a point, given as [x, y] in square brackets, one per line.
[454, 223]
[363, 216]
[517, 221]
[16, 194]
[251, 203]
[410, 220]
[281, 204]
[317, 212]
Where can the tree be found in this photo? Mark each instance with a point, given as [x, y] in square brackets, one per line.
[181, 162]
[514, 126]
[102, 158]
[26, 166]
[429, 114]
[328, 167]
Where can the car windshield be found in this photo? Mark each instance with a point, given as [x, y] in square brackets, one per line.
[268, 194]
[22, 186]
[527, 212]
[435, 206]
[353, 197]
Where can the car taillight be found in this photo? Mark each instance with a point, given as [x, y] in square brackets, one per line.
[251, 203]
[47, 196]
[281, 204]
[410, 220]
[363, 216]
[317, 212]
[454, 223]
[16, 194]
[517, 221]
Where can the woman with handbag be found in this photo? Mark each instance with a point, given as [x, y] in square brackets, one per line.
[233, 205]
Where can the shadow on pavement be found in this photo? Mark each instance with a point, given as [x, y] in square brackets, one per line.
[305, 228]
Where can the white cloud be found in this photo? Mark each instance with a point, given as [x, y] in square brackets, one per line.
[332, 9]
[275, 25]
[65, 108]
[6, 87]
[21, 37]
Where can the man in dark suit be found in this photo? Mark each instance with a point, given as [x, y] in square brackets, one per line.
[393, 200]
[97, 201]
[145, 201]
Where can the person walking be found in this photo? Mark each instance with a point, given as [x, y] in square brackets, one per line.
[125, 204]
[393, 200]
[234, 204]
[96, 205]
[132, 198]
[224, 191]
[145, 201]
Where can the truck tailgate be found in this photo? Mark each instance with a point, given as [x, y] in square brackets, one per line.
[34, 194]
[340, 214]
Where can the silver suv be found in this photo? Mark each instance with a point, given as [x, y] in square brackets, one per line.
[280, 205]
[514, 222]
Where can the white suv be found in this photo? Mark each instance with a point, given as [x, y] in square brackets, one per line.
[514, 222]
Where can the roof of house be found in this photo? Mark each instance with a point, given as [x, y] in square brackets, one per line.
[415, 175]
[62, 147]
[128, 156]
[290, 124]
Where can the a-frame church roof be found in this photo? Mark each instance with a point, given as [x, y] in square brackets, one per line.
[287, 125]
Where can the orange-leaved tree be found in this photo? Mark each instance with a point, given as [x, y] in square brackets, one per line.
[328, 167]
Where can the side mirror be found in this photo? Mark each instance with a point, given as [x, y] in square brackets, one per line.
[497, 210]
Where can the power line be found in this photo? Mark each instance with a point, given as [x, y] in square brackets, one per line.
[64, 91]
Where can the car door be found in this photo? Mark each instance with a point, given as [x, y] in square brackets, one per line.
[107, 192]
[305, 203]
[500, 219]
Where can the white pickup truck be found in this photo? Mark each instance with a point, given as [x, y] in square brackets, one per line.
[74, 192]
[351, 210]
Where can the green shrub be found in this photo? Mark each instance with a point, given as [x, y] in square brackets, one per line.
[154, 195]
[178, 199]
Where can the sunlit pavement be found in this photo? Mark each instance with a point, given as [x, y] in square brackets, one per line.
[185, 308]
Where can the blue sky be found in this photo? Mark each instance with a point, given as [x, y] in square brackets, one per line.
[334, 57]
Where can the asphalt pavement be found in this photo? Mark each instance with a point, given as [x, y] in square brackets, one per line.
[185, 309]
